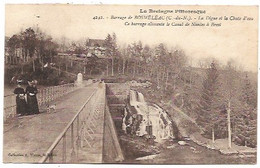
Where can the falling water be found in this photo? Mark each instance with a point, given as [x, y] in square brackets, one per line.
[151, 115]
[141, 97]
[124, 119]
[132, 96]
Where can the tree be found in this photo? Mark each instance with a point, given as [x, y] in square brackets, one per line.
[128, 57]
[45, 48]
[29, 41]
[209, 112]
[160, 59]
[230, 92]
[246, 118]
[14, 43]
[136, 56]
[177, 63]
[146, 57]
[111, 49]
[123, 56]
[26, 42]
[32, 44]
[63, 44]
[248, 93]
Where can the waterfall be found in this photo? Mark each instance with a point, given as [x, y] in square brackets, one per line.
[151, 115]
[124, 119]
[133, 98]
[141, 97]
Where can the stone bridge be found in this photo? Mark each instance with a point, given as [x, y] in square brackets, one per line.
[79, 130]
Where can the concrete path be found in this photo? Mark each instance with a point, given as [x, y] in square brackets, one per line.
[33, 135]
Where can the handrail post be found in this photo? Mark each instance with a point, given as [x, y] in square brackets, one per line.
[48, 95]
[40, 97]
[59, 91]
[72, 142]
[13, 111]
[64, 149]
[78, 137]
[52, 94]
[51, 157]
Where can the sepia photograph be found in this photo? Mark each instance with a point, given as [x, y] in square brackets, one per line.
[130, 84]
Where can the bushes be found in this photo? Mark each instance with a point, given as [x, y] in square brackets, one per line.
[46, 76]
[9, 73]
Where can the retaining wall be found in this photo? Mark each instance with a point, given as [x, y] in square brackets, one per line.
[111, 148]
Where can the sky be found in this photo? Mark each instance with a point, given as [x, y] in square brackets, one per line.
[235, 40]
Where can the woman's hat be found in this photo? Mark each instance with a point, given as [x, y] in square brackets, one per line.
[30, 82]
[19, 81]
[35, 82]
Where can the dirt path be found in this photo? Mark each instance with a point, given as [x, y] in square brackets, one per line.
[31, 138]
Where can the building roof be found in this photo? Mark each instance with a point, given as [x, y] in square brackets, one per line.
[96, 42]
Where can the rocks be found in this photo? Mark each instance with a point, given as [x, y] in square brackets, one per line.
[182, 143]
[134, 146]
[192, 148]
[227, 151]
[139, 84]
[221, 146]
[186, 138]
[209, 146]
[172, 146]
[149, 157]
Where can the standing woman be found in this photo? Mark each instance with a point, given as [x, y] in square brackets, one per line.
[21, 106]
[32, 102]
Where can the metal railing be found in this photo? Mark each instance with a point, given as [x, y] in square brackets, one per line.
[9, 106]
[77, 134]
[49, 94]
[44, 96]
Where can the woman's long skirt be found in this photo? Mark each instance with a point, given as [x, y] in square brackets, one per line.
[21, 106]
[32, 105]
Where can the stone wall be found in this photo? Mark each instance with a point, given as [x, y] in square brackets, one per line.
[117, 98]
[118, 90]
[112, 152]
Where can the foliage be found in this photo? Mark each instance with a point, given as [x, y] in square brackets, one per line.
[245, 124]
[210, 106]
[32, 44]
[201, 92]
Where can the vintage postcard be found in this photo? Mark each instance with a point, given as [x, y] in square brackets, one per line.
[141, 84]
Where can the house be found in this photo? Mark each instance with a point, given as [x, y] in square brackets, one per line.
[95, 47]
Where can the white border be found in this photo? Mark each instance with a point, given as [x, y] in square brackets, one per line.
[144, 2]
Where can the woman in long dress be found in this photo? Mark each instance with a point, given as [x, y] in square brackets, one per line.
[21, 106]
[32, 102]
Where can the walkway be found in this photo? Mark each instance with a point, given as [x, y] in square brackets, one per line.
[33, 135]
[94, 152]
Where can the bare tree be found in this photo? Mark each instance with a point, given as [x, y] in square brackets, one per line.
[230, 79]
